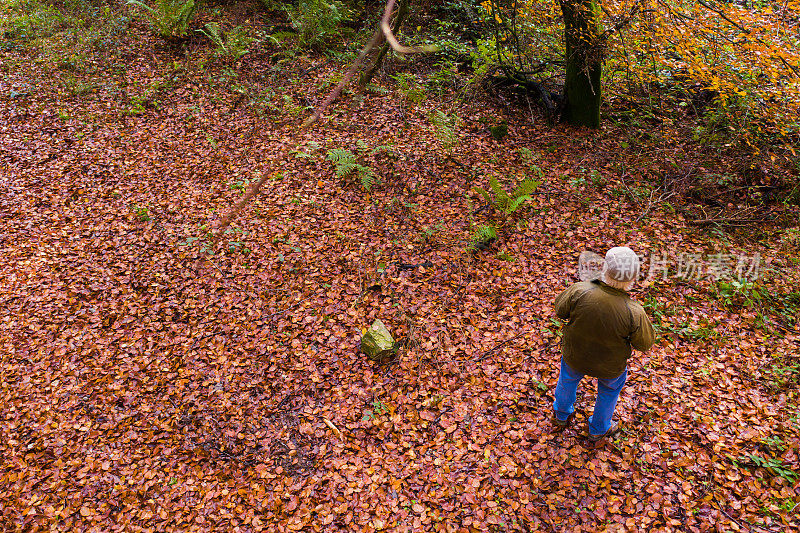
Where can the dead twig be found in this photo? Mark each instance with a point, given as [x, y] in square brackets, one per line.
[333, 427]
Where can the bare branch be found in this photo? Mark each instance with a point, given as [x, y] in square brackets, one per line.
[392, 40]
[724, 16]
[344, 81]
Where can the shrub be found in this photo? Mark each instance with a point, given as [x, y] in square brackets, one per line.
[26, 20]
[170, 18]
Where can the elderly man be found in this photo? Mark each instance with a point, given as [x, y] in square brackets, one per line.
[603, 327]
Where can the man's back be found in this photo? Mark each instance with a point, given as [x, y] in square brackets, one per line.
[604, 323]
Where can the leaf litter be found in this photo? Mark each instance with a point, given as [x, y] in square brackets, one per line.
[150, 385]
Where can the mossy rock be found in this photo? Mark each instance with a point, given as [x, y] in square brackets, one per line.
[377, 343]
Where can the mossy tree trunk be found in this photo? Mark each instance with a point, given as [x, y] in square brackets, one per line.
[399, 17]
[584, 62]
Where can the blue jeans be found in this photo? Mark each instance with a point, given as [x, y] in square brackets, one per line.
[607, 395]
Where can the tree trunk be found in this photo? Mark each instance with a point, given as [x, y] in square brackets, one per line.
[584, 62]
[369, 72]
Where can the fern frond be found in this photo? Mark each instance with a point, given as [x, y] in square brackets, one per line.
[382, 148]
[514, 204]
[343, 160]
[445, 129]
[376, 89]
[483, 192]
[481, 237]
[500, 194]
[368, 177]
[345, 163]
[494, 183]
[150, 12]
[169, 17]
[214, 33]
[525, 188]
[186, 13]
[346, 168]
[340, 155]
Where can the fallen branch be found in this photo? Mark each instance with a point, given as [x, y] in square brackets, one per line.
[385, 31]
[240, 205]
[411, 266]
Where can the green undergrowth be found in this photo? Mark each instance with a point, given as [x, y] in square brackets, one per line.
[774, 312]
[169, 18]
[782, 307]
[71, 27]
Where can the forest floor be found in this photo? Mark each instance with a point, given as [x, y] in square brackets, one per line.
[149, 383]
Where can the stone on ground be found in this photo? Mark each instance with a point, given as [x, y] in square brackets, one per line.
[377, 343]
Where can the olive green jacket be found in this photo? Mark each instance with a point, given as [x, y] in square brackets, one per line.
[603, 325]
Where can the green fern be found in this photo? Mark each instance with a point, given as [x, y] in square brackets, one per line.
[233, 44]
[525, 188]
[376, 89]
[446, 129]
[346, 164]
[413, 92]
[343, 160]
[214, 33]
[367, 176]
[514, 204]
[317, 21]
[388, 148]
[500, 195]
[508, 203]
[364, 148]
[486, 194]
[482, 236]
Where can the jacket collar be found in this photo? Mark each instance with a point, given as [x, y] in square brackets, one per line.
[604, 285]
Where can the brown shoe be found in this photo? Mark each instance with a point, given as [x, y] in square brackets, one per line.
[613, 430]
[561, 425]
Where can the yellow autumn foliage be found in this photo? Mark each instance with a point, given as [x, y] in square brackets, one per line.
[745, 54]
